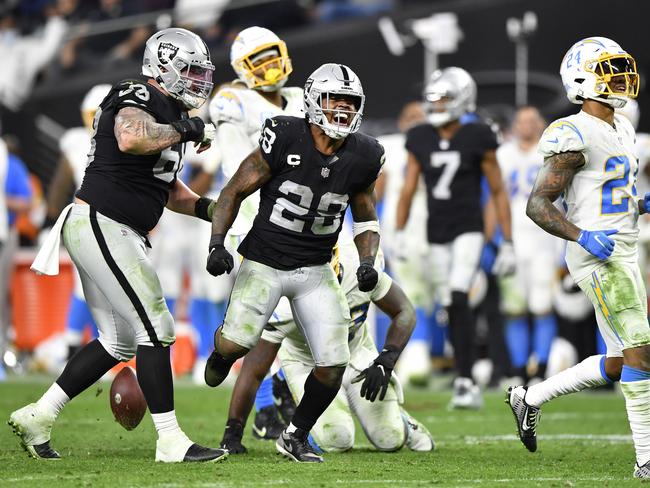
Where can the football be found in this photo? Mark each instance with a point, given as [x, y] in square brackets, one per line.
[127, 401]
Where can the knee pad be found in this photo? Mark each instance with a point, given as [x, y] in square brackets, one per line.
[333, 437]
[388, 437]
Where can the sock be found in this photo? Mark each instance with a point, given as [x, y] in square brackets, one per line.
[166, 423]
[635, 384]
[264, 397]
[518, 341]
[171, 305]
[280, 374]
[316, 399]
[590, 373]
[89, 364]
[544, 331]
[54, 399]
[437, 332]
[155, 378]
[461, 328]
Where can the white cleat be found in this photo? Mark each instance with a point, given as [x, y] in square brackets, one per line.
[642, 472]
[467, 395]
[418, 437]
[178, 448]
[34, 425]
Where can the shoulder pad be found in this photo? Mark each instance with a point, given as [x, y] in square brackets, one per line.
[227, 106]
[292, 92]
[563, 135]
[132, 92]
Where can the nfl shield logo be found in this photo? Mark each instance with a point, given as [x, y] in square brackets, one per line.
[325, 172]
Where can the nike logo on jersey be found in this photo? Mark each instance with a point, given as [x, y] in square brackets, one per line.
[273, 123]
[293, 159]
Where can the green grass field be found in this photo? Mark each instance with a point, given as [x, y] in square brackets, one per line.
[584, 441]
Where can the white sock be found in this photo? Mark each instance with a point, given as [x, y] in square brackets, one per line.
[587, 374]
[637, 403]
[166, 423]
[53, 400]
[291, 428]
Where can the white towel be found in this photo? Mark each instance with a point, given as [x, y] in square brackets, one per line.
[47, 259]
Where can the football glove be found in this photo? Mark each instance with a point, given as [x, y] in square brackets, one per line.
[190, 129]
[376, 377]
[367, 275]
[219, 260]
[597, 242]
[505, 262]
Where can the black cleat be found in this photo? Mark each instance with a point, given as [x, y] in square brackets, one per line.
[526, 416]
[296, 447]
[216, 369]
[232, 437]
[200, 454]
[283, 399]
[642, 472]
[267, 424]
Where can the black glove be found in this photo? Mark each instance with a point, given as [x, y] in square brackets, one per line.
[219, 260]
[367, 275]
[377, 376]
[189, 129]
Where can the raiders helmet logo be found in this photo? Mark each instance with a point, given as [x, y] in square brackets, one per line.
[166, 52]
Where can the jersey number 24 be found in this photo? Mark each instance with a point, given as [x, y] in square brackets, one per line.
[609, 204]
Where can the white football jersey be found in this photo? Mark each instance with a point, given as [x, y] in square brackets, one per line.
[239, 114]
[602, 194]
[519, 169]
[294, 342]
[75, 146]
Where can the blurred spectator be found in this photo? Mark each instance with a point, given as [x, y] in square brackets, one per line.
[265, 14]
[24, 56]
[198, 14]
[333, 10]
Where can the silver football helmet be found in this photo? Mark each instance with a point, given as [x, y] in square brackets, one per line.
[448, 95]
[334, 79]
[179, 61]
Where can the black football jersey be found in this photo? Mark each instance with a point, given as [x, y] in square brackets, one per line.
[303, 205]
[131, 189]
[452, 174]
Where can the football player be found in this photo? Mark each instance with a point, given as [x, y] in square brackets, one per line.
[385, 423]
[262, 64]
[138, 140]
[453, 157]
[309, 170]
[530, 289]
[590, 160]
[75, 146]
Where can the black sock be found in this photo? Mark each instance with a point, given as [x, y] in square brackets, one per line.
[461, 329]
[314, 402]
[89, 364]
[541, 370]
[155, 378]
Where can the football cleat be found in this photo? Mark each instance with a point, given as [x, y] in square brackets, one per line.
[526, 416]
[296, 447]
[466, 395]
[418, 437]
[232, 437]
[283, 399]
[642, 472]
[177, 448]
[267, 424]
[33, 425]
[216, 369]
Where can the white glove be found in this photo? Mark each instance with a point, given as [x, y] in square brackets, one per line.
[505, 262]
[209, 133]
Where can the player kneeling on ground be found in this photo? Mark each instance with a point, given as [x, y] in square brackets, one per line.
[139, 133]
[386, 424]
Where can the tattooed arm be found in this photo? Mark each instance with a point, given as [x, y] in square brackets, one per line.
[137, 132]
[363, 211]
[252, 174]
[553, 178]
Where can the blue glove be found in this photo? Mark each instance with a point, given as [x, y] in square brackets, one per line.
[597, 242]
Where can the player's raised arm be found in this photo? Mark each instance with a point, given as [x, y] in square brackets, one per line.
[366, 236]
[253, 172]
[553, 178]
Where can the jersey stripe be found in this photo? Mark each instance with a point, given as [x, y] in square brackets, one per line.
[124, 283]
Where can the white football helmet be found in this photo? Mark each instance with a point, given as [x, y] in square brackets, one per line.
[449, 94]
[260, 59]
[334, 79]
[179, 61]
[91, 103]
[590, 66]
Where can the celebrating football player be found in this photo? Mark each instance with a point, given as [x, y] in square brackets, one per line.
[309, 170]
[137, 145]
[385, 423]
[453, 156]
[262, 64]
[590, 160]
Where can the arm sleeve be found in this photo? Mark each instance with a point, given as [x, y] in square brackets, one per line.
[562, 136]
